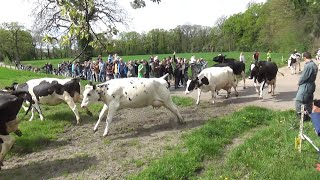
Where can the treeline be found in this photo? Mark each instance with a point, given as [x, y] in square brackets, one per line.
[279, 25]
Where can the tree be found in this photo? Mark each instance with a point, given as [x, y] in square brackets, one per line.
[15, 42]
[85, 20]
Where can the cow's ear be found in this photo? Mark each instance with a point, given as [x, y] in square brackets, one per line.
[90, 83]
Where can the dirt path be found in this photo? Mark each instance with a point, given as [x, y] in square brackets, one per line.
[137, 136]
[285, 92]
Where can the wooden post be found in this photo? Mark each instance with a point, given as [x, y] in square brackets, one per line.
[301, 129]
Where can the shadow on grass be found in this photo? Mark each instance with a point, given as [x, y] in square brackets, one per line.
[49, 169]
[26, 146]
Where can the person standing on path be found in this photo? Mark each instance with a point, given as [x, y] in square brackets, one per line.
[269, 55]
[306, 84]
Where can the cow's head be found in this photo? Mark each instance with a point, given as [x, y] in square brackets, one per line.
[196, 83]
[220, 58]
[91, 94]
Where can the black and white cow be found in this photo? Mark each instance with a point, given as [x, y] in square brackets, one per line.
[238, 67]
[213, 79]
[10, 104]
[264, 72]
[52, 91]
[129, 93]
[294, 61]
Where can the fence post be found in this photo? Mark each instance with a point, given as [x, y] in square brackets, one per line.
[301, 129]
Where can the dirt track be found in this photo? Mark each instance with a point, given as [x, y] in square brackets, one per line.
[137, 136]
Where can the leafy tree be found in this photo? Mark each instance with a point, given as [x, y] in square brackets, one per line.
[15, 42]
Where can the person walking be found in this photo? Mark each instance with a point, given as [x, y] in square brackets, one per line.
[141, 69]
[306, 84]
[269, 55]
[241, 58]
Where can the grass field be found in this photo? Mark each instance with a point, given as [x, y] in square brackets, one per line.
[267, 150]
[276, 57]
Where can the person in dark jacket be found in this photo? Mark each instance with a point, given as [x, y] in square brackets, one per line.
[306, 84]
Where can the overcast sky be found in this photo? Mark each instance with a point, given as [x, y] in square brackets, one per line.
[167, 15]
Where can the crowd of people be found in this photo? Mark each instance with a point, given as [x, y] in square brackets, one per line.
[100, 70]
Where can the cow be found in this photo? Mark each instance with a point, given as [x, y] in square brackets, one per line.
[213, 79]
[238, 67]
[10, 104]
[52, 91]
[294, 61]
[264, 72]
[118, 94]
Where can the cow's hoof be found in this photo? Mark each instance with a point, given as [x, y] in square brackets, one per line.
[273, 95]
[269, 92]
[18, 133]
[89, 113]
[244, 87]
[1, 164]
[95, 130]
[181, 122]
[260, 97]
[105, 135]
[237, 95]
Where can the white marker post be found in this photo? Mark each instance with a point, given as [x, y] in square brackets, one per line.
[301, 129]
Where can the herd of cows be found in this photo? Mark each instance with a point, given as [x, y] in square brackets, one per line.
[119, 94]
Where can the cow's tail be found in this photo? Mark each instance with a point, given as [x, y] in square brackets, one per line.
[26, 97]
[281, 73]
[164, 76]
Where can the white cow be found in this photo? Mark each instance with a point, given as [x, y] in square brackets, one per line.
[213, 79]
[52, 91]
[129, 93]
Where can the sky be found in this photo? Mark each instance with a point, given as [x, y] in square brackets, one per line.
[168, 14]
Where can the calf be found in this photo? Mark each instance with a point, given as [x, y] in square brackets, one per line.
[213, 79]
[10, 104]
[129, 93]
[238, 67]
[264, 72]
[52, 91]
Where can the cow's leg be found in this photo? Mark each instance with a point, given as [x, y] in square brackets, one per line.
[213, 94]
[235, 90]
[198, 99]
[261, 89]
[6, 145]
[25, 108]
[274, 86]
[255, 84]
[69, 100]
[101, 115]
[173, 108]
[32, 113]
[213, 90]
[244, 79]
[112, 111]
[36, 105]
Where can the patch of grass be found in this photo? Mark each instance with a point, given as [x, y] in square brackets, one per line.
[267, 154]
[37, 134]
[183, 101]
[270, 154]
[207, 141]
